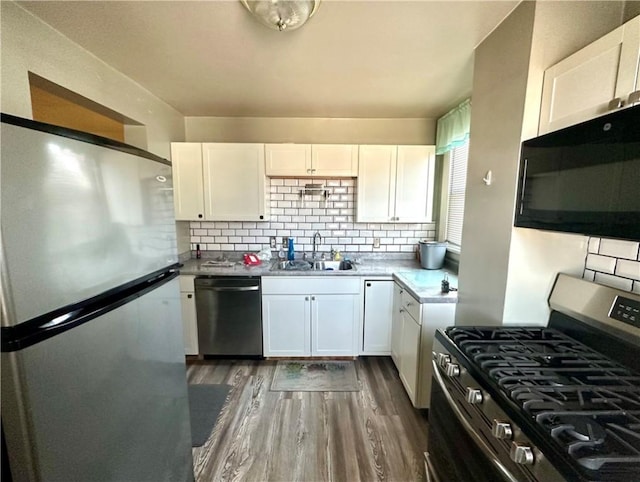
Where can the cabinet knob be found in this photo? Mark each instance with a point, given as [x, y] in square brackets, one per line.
[313, 298]
[261, 217]
[189, 296]
[368, 285]
[199, 216]
[306, 298]
[309, 171]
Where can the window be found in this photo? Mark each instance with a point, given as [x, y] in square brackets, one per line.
[457, 181]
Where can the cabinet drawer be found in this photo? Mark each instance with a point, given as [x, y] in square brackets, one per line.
[298, 285]
[411, 306]
[186, 282]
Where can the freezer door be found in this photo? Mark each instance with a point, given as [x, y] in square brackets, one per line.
[104, 401]
[78, 219]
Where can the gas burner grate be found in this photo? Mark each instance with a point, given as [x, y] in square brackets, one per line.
[587, 403]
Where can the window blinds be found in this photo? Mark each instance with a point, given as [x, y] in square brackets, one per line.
[457, 182]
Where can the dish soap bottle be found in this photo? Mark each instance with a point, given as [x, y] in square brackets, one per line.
[291, 252]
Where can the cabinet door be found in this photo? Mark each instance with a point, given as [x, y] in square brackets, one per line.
[396, 325]
[234, 182]
[186, 166]
[581, 86]
[378, 312]
[415, 170]
[409, 355]
[189, 322]
[376, 183]
[288, 159]
[334, 319]
[285, 325]
[334, 160]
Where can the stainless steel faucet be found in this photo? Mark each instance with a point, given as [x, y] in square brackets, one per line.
[319, 237]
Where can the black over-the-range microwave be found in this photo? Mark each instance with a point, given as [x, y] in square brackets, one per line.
[584, 178]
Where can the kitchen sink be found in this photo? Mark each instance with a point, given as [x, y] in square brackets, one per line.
[317, 265]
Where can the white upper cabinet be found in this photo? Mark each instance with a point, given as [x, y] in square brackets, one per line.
[306, 160]
[395, 184]
[334, 160]
[219, 182]
[376, 183]
[415, 171]
[287, 159]
[234, 182]
[583, 85]
[188, 196]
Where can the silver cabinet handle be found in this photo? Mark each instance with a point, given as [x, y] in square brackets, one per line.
[482, 445]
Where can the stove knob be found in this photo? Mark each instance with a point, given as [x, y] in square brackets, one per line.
[474, 396]
[521, 454]
[501, 430]
[452, 370]
[443, 359]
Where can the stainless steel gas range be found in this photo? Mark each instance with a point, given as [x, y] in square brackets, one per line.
[552, 403]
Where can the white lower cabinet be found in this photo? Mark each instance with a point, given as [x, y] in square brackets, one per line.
[189, 321]
[396, 325]
[410, 355]
[412, 334]
[378, 311]
[285, 325]
[311, 316]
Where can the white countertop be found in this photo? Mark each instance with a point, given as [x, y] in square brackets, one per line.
[424, 285]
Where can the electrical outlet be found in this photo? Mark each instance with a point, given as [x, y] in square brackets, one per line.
[376, 242]
[285, 242]
[272, 242]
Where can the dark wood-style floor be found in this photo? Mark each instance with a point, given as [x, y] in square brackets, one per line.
[371, 435]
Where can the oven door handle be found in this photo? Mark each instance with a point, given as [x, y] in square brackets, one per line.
[429, 470]
[470, 430]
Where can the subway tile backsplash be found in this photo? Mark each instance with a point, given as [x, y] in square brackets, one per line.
[614, 263]
[300, 217]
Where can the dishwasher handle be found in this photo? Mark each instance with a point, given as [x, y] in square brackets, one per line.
[229, 288]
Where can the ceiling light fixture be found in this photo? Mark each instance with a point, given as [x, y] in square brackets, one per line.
[282, 14]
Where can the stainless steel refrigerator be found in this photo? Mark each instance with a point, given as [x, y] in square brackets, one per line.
[93, 374]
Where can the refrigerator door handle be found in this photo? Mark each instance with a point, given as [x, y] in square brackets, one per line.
[43, 327]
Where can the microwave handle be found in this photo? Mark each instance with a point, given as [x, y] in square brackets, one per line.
[482, 445]
[524, 179]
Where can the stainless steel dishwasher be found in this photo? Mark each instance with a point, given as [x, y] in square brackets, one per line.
[229, 314]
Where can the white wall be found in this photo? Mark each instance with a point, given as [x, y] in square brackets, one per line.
[29, 45]
[310, 130]
[496, 280]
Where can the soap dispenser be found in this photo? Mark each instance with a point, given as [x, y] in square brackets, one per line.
[291, 254]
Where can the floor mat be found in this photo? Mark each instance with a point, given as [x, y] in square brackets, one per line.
[315, 376]
[205, 404]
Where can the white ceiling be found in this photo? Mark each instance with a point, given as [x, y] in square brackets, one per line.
[376, 59]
